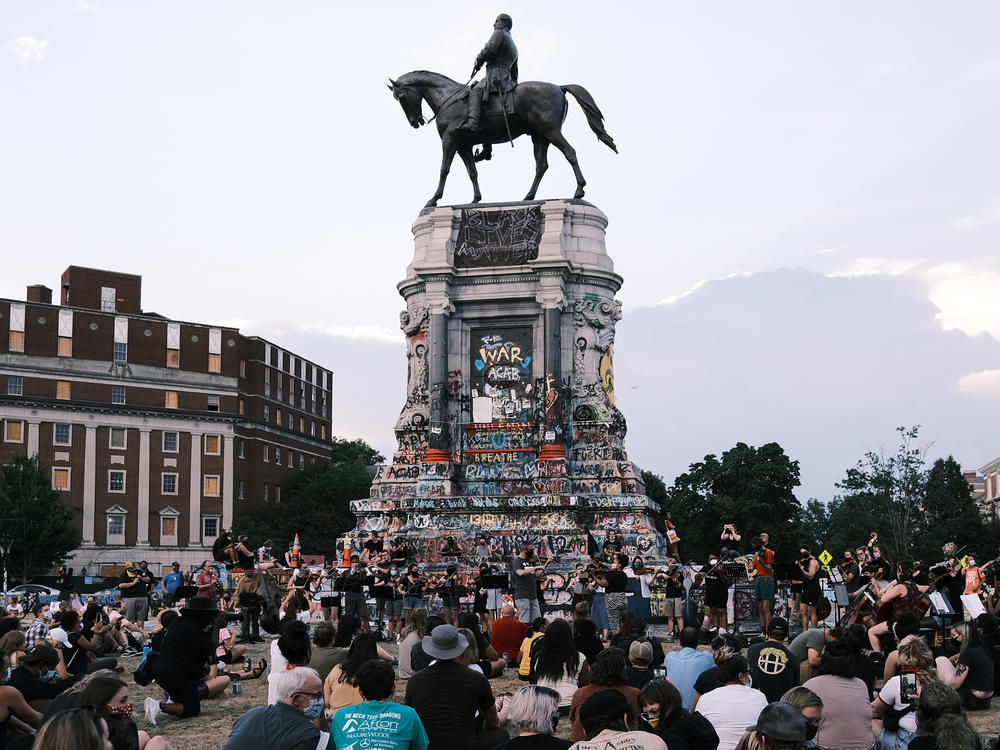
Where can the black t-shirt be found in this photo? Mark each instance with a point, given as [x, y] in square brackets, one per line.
[31, 687]
[637, 678]
[980, 667]
[131, 592]
[953, 587]
[866, 671]
[716, 591]
[673, 589]
[74, 655]
[774, 669]
[446, 697]
[617, 581]
[854, 584]
[374, 546]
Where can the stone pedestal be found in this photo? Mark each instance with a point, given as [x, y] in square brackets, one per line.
[510, 428]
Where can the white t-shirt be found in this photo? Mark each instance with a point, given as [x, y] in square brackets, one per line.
[731, 709]
[278, 666]
[890, 694]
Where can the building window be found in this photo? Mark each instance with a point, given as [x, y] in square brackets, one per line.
[62, 390]
[121, 352]
[117, 439]
[60, 479]
[312, 428]
[65, 348]
[281, 393]
[168, 483]
[209, 527]
[291, 421]
[169, 442]
[61, 434]
[267, 413]
[108, 295]
[17, 341]
[243, 408]
[116, 528]
[243, 368]
[267, 376]
[215, 363]
[277, 493]
[170, 399]
[322, 432]
[277, 415]
[168, 530]
[267, 452]
[212, 443]
[265, 493]
[239, 490]
[241, 447]
[173, 358]
[15, 385]
[213, 403]
[116, 480]
[117, 394]
[302, 461]
[302, 424]
[277, 455]
[211, 488]
[13, 432]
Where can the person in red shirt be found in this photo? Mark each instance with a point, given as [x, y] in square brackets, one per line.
[763, 566]
[508, 632]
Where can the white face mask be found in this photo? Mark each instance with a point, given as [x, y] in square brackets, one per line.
[713, 562]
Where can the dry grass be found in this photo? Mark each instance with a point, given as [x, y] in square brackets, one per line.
[210, 730]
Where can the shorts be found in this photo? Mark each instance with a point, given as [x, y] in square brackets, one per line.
[452, 603]
[413, 602]
[763, 588]
[136, 608]
[494, 599]
[810, 595]
[394, 607]
[673, 607]
[357, 608]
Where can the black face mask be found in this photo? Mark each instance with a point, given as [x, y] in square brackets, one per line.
[811, 730]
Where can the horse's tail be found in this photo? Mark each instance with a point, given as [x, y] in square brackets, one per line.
[594, 117]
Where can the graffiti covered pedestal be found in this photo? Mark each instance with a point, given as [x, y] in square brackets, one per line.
[510, 430]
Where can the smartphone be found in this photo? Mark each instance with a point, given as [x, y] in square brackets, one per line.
[907, 687]
[659, 673]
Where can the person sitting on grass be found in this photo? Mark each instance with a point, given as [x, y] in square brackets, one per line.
[286, 724]
[605, 718]
[357, 726]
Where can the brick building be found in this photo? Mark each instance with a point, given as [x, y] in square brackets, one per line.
[159, 432]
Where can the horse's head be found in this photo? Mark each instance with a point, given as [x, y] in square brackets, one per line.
[409, 99]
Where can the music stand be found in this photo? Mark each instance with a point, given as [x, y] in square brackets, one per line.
[941, 608]
[184, 592]
[501, 582]
[381, 592]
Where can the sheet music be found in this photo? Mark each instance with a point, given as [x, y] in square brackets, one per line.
[974, 605]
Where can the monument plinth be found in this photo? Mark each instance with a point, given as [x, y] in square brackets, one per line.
[510, 427]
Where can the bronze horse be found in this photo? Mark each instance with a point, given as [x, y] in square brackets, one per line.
[539, 111]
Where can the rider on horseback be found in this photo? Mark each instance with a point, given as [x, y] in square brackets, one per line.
[500, 57]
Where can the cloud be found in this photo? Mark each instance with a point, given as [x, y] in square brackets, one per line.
[973, 221]
[693, 289]
[985, 69]
[27, 49]
[891, 70]
[983, 384]
[361, 332]
[965, 295]
[880, 267]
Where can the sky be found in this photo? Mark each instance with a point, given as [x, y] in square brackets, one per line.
[805, 207]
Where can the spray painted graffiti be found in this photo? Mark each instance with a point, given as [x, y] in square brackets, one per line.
[607, 372]
[498, 238]
[501, 370]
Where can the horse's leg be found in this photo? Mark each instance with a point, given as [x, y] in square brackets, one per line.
[560, 142]
[470, 166]
[447, 156]
[541, 144]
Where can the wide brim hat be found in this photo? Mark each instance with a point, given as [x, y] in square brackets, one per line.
[444, 642]
[200, 604]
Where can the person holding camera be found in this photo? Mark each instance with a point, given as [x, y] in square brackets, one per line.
[894, 720]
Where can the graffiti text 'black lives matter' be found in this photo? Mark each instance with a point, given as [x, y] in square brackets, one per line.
[498, 238]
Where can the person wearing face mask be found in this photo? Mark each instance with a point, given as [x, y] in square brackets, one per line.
[42, 661]
[662, 714]
[640, 579]
[286, 724]
[110, 695]
[735, 705]
[716, 584]
[38, 631]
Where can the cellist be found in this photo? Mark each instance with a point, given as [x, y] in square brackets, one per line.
[903, 595]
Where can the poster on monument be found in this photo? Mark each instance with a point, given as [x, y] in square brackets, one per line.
[501, 371]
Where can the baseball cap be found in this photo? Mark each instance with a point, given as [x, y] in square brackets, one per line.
[640, 651]
[781, 721]
[42, 653]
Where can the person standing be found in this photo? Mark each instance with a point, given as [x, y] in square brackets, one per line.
[170, 583]
[809, 566]
[524, 567]
[207, 582]
[133, 592]
[764, 586]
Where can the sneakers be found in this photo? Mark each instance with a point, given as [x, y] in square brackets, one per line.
[131, 652]
[152, 710]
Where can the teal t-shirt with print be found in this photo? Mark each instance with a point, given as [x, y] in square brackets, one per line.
[377, 726]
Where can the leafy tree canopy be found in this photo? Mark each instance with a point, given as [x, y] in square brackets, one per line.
[316, 502]
[37, 518]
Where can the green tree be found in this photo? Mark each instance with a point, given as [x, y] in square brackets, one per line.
[40, 522]
[892, 485]
[656, 488]
[749, 487]
[316, 502]
[950, 513]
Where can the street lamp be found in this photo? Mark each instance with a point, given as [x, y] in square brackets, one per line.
[6, 542]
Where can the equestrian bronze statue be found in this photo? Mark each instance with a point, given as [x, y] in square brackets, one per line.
[496, 110]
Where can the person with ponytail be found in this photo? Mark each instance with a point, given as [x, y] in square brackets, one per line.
[893, 718]
[110, 695]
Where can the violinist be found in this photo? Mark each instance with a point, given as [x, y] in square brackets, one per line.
[299, 583]
[640, 579]
[809, 566]
[673, 598]
[614, 581]
[851, 572]
[525, 568]
[716, 584]
[412, 586]
[904, 595]
[450, 598]
[379, 568]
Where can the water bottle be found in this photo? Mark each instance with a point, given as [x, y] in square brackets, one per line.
[506, 663]
[145, 652]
